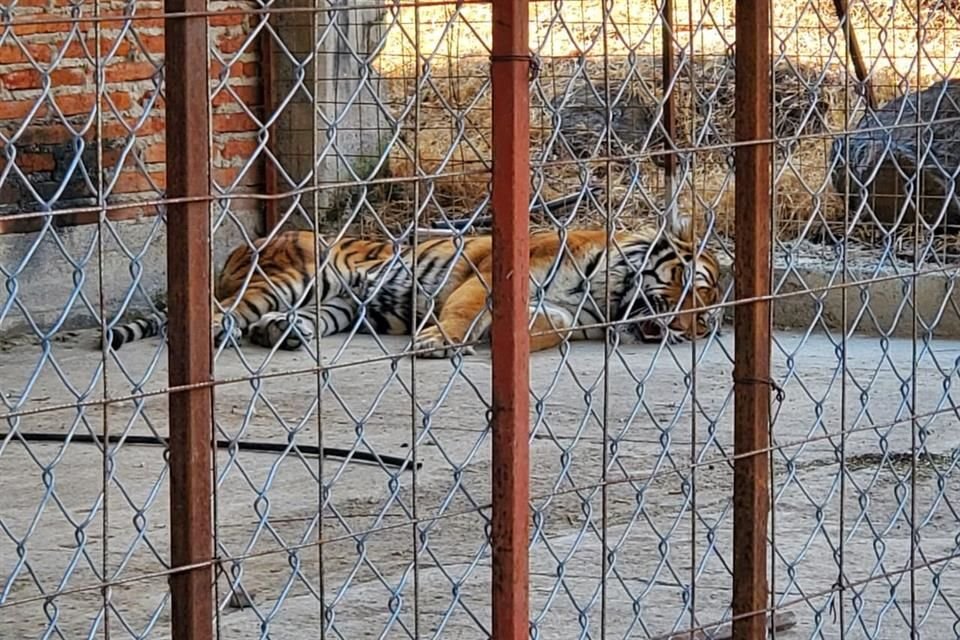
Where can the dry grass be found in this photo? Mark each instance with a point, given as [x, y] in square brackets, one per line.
[448, 134]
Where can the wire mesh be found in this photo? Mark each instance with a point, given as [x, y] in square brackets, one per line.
[352, 473]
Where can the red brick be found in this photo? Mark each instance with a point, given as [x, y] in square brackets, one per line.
[76, 104]
[120, 99]
[26, 79]
[148, 23]
[34, 3]
[15, 110]
[114, 129]
[71, 77]
[236, 70]
[147, 101]
[115, 16]
[153, 44]
[155, 152]
[238, 148]
[12, 54]
[111, 157]
[91, 217]
[129, 71]
[216, 67]
[31, 162]
[225, 176]
[76, 49]
[32, 79]
[233, 123]
[250, 95]
[29, 29]
[42, 3]
[137, 182]
[233, 44]
[46, 134]
[115, 48]
[230, 19]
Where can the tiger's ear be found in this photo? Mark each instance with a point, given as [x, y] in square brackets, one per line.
[682, 227]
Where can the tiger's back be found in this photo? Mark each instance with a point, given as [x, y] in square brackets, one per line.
[645, 273]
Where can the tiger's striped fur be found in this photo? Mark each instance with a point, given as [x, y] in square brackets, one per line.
[649, 273]
[257, 286]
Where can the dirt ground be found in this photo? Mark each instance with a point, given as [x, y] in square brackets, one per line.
[404, 553]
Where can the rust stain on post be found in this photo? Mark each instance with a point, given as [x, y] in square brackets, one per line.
[510, 341]
[752, 321]
[188, 332]
[669, 113]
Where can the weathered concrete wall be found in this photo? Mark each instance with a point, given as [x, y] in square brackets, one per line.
[53, 276]
[878, 300]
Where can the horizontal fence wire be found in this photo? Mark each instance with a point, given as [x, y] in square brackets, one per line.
[351, 470]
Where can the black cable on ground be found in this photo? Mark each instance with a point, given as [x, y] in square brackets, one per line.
[271, 447]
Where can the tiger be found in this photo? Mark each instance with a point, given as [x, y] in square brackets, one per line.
[452, 276]
[374, 283]
[257, 295]
[647, 269]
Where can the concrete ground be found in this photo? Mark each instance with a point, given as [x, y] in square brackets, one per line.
[404, 554]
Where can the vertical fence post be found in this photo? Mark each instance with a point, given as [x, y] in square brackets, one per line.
[271, 214]
[752, 321]
[188, 332]
[510, 342]
[668, 68]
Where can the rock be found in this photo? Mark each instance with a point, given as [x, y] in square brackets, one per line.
[883, 159]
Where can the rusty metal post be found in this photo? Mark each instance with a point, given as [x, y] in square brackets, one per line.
[752, 321]
[510, 340]
[188, 333]
[669, 113]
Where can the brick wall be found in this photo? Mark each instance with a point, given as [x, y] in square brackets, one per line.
[48, 108]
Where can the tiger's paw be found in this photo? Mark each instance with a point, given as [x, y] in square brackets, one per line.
[276, 330]
[221, 335]
[434, 344]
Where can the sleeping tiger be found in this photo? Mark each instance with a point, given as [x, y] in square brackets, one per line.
[373, 281]
[647, 275]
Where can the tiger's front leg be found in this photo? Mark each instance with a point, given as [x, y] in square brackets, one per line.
[550, 325]
[246, 308]
[465, 312]
[223, 331]
[292, 330]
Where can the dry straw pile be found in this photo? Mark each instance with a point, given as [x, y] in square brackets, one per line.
[581, 62]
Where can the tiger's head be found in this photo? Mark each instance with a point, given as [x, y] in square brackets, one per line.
[673, 283]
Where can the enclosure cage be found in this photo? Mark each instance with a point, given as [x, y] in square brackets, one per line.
[705, 387]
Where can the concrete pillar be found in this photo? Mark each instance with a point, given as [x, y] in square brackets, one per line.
[330, 117]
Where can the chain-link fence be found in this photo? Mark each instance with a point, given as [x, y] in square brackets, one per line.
[272, 366]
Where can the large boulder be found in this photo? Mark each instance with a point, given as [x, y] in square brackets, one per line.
[580, 115]
[890, 157]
